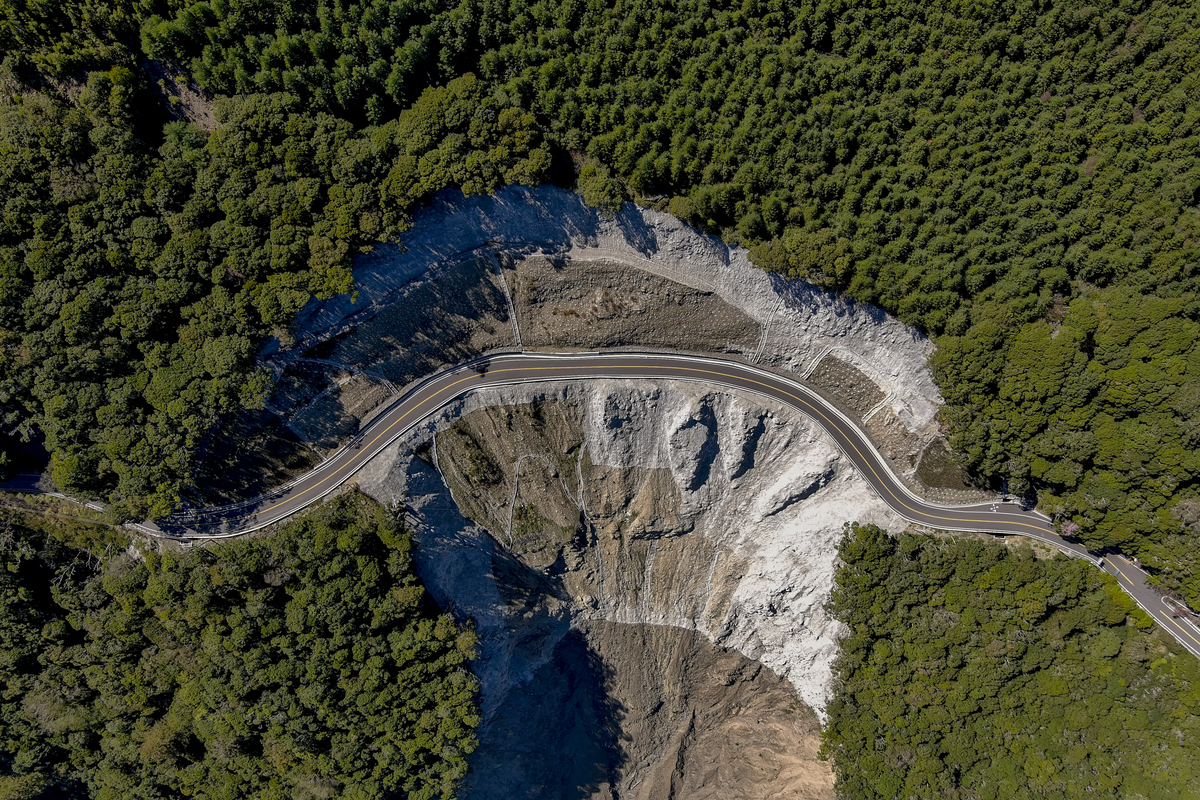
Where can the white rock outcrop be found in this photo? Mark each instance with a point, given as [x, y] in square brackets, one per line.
[660, 504]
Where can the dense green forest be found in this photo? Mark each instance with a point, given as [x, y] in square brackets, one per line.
[975, 671]
[135, 284]
[308, 664]
[1017, 178]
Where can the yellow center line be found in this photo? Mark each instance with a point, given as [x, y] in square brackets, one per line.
[1168, 617]
[1183, 629]
[730, 375]
[343, 468]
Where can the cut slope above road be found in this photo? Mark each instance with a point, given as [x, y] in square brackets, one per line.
[440, 389]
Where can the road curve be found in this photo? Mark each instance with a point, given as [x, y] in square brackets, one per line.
[437, 391]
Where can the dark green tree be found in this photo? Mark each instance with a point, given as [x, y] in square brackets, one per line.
[308, 663]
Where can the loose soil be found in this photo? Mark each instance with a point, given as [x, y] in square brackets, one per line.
[621, 709]
[701, 722]
[453, 316]
[648, 712]
[588, 304]
[502, 459]
[848, 384]
[335, 416]
[895, 441]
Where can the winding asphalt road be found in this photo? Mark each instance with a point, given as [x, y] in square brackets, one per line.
[413, 408]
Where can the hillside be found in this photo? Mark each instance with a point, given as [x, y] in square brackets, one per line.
[184, 186]
[1018, 181]
[975, 671]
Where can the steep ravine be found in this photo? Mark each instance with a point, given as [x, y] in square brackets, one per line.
[647, 565]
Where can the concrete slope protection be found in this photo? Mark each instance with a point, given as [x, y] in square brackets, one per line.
[413, 408]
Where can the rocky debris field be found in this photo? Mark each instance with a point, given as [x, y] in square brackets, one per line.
[445, 316]
[702, 722]
[647, 564]
[334, 416]
[572, 279]
[593, 304]
[856, 391]
[797, 323]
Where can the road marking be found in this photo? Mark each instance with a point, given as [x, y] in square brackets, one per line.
[738, 376]
[1186, 619]
[1191, 624]
[1167, 617]
[850, 441]
[732, 375]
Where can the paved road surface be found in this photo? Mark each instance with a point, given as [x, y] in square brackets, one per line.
[414, 408]
[431, 395]
[1133, 581]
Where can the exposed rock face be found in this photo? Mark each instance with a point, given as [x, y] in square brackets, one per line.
[669, 504]
[645, 537]
[700, 722]
[450, 315]
[592, 304]
[771, 321]
[537, 269]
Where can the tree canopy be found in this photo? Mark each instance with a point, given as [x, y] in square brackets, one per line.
[1014, 178]
[307, 664]
[974, 671]
[137, 284]
[1018, 179]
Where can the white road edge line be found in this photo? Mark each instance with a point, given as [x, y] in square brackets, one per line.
[753, 372]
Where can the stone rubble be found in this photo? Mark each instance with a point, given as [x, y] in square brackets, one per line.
[746, 558]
